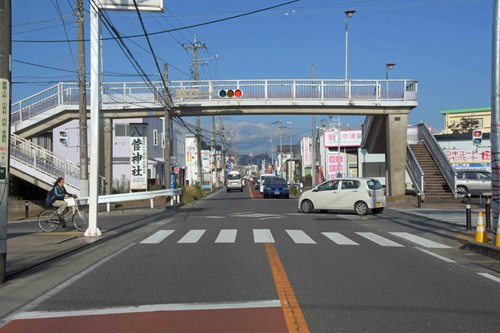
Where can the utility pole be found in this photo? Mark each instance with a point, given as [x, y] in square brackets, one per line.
[5, 111]
[313, 141]
[195, 47]
[82, 85]
[167, 120]
[495, 117]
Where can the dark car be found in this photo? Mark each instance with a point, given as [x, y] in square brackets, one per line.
[276, 187]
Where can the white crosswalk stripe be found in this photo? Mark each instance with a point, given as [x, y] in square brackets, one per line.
[193, 236]
[382, 241]
[300, 237]
[339, 239]
[420, 240]
[262, 236]
[226, 236]
[157, 237]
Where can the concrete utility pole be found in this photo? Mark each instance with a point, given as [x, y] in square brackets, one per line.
[495, 115]
[313, 141]
[82, 84]
[5, 111]
[167, 120]
[195, 47]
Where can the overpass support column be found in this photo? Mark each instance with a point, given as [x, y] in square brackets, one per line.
[397, 125]
[108, 154]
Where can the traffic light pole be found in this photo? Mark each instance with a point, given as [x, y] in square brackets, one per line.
[5, 110]
[495, 113]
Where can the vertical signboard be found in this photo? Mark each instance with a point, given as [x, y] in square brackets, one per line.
[4, 127]
[306, 152]
[138, 157]
[336, 165]
[191, 159]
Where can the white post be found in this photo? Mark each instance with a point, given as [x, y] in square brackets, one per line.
[95, 59]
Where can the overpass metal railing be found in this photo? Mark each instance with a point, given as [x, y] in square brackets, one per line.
[66, 93]
[414, 171]
[148, 195]
[44, 161]
[424, 135]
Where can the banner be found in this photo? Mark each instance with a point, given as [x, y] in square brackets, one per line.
[306, 141]
[4, 127]
[138, 157]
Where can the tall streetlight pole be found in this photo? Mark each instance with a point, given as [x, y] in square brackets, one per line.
[388, 66]
[348, 14]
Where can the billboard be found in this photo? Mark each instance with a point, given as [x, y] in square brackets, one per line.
[128, 5]
[347, 138]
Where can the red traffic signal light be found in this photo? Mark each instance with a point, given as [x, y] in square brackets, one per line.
[477, 137]
[230, 93]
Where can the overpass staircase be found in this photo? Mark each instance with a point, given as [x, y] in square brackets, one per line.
[432, 175]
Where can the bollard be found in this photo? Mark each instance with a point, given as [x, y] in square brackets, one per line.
[419, 200]
[468, 214]
[26, 209]
[487, 208]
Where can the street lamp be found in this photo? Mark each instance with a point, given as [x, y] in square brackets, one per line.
[348, 14]
[388, 66]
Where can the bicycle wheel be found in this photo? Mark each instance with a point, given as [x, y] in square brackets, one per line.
[81, 219]
[48, 220]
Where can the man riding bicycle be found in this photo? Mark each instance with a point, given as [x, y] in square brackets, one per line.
[58, 196]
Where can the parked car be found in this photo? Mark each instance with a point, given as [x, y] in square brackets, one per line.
[234, 181]
[263, 179]
[276, 187]
[358, 194]
[473, 181]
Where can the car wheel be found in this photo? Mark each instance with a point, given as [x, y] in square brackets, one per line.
[287, 196]
[360, 208]
[377, 210]
[461, 191]
[227, 190]
[307, 206]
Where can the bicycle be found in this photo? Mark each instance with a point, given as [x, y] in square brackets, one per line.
[48, 220]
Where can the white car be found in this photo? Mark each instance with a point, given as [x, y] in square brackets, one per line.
[358, 194]
[234, 181]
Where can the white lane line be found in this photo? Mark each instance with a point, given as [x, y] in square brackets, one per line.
[157, 237]
[193, 236]
[420, 241]
[226, 236]
[435, 255]
[382, 241]
[339, 239]
[262, 236]
[151, 308]
[300, 237]
[489, 276]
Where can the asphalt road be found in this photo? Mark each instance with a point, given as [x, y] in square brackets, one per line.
[238, 263]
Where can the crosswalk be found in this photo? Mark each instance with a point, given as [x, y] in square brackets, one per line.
[230, 236]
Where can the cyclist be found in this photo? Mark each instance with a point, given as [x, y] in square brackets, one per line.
[59, 194]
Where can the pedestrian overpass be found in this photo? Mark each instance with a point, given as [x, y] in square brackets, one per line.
[388, 102]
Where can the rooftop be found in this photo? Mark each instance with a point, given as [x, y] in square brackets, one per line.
[485, 109]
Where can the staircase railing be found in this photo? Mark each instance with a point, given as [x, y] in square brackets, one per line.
[44, 161]
[421, 133]
[415, 171]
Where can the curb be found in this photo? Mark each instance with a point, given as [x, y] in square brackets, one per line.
[484, 249]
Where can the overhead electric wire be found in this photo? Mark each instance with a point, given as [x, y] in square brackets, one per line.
[167, 31]
[58, 9]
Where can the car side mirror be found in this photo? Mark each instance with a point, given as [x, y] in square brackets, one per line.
[315, 189]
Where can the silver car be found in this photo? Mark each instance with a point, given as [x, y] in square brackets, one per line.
[358, 194]
[473, 182]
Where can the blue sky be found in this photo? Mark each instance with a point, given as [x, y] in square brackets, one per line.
[444, 44]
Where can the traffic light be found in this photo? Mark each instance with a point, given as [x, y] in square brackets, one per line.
[63, 137]
[230, 93]
[477, 137]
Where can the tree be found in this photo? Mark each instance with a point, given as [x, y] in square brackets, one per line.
[464, 126]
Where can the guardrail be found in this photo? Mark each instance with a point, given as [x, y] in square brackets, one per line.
[120, 197]
[424, 135]
[415, 171]
[66, 93]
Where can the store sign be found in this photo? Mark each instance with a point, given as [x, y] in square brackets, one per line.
[4, 127]
[335, 166]
[138, 157]
[191, 160]
[347, 139]
[306, 141]
[468, 158]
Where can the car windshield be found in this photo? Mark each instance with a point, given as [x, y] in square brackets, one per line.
[374, 184]
[233, 176]
[276, 181]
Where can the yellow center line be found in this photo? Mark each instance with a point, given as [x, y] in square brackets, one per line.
[250, 190]
[294, 318]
